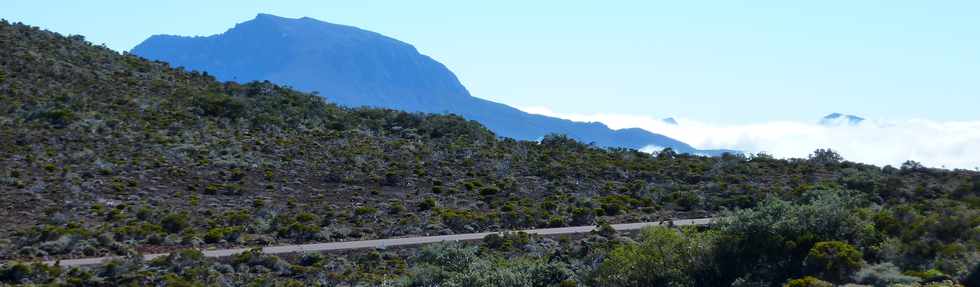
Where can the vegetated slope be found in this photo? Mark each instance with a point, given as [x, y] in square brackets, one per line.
[353, 67]
[102, 153]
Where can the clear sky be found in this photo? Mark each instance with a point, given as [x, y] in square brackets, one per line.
[718, 61]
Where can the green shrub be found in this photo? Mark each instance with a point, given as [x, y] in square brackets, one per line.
[663, 257]
[214, 235]
[175, 222]
[506, 241]
[223, 188]
[931, 275]
[220, 105]
[217, 234]
[212, 188]
[306, 217]
[365, 210]
[834, 260]
[240, 217]
[687, 200]
[15, 273]
[427, 204]
[808, 282]
[298, 230]
[56, 117]
[556, 221]
[311, 259]
[771, 241]
[458, 220]
[396, 208]
[137, 230]
[583, 216]
[144, 213]
[612, 208]
[454, 257]
[489, 191]
[457, 265]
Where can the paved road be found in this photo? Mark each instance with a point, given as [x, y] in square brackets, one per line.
[382, 243]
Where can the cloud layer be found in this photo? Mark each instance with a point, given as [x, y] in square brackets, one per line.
[936, 144]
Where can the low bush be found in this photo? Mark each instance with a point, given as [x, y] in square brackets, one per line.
[175, 222]
[808, 282]
[427, 204]
[883, 275]
[834, 260]
[663, 257]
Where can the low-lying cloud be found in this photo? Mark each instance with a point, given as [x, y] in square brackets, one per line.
[932, 143]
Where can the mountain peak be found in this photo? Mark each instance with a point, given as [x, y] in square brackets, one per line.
[354, 67]
[269, 18]
[837, 119]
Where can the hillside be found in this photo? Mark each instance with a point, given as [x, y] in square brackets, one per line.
[353, 67]
[106, 153]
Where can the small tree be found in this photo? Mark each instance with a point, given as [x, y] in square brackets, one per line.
[912, 165]
[826, 156]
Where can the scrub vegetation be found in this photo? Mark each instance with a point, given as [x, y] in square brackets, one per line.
[104, 153]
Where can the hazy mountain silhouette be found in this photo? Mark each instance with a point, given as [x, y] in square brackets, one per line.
[355, 67]
[838, 119]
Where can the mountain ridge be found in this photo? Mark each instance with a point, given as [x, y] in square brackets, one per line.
[356, 67]
[839, 119]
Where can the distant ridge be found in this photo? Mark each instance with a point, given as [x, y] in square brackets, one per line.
[838, 119]
[355, 67]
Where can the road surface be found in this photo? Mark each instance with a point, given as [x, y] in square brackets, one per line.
[383, 243]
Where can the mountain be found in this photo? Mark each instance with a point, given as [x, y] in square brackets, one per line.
[354, 67]
[838, 119]
[670, 121]
[105, 153]
[108, 154]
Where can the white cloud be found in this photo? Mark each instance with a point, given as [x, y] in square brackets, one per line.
[933, 143]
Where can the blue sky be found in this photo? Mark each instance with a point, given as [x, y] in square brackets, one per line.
[747, 75]
[719, 61]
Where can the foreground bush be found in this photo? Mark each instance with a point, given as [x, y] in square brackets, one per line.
[834, 260]
[808, 282]
[457, 265]
[664, 257]
[770, 242]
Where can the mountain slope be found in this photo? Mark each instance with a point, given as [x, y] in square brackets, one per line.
[354, 67]
[108, 154]
[102, 153]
